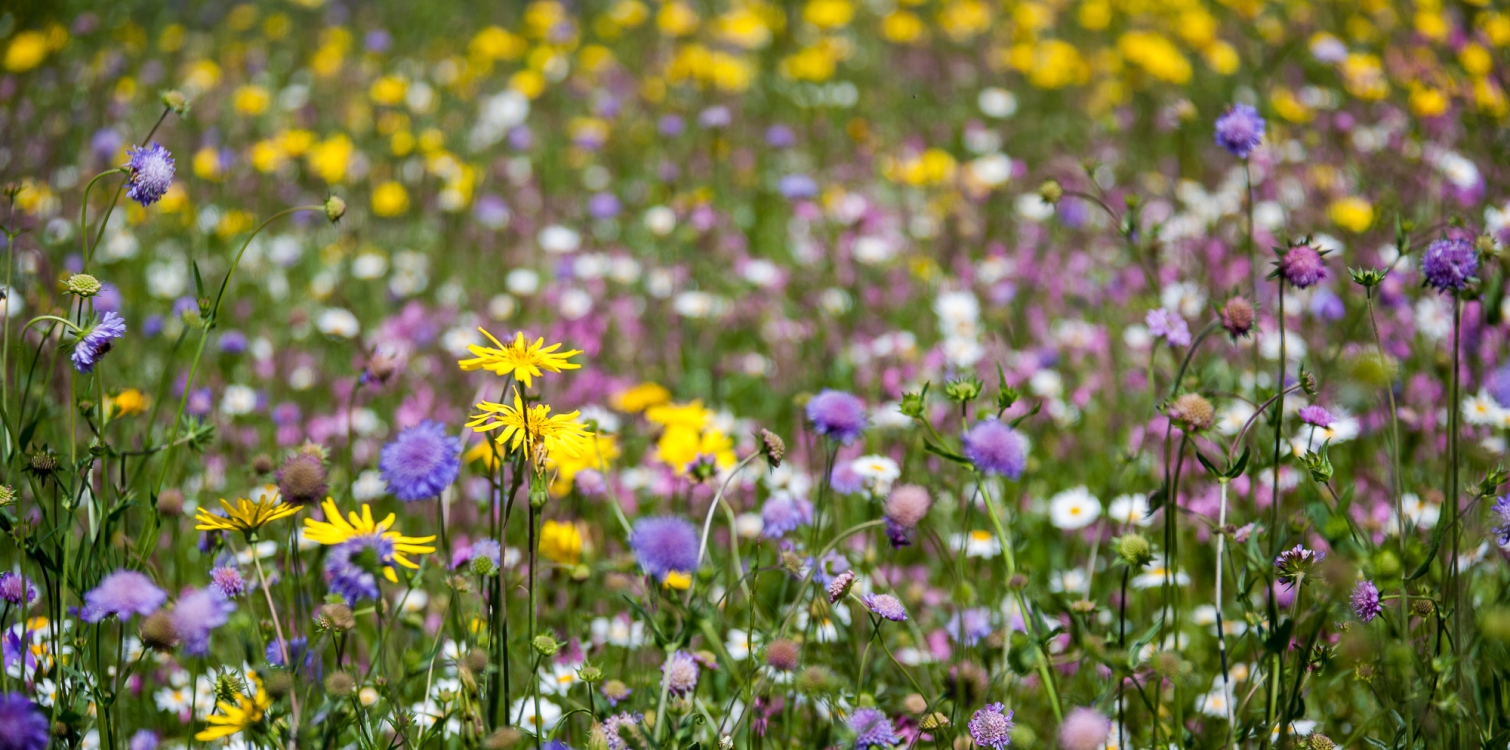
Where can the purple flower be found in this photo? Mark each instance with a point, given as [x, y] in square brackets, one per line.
[780, 136]
[991, 728]
[1498, 384]
[679, 673]
[1501, 510]
[352, 566]
[144, 739]
[150, 172]
[872, 729]
[421, 462]
[123, 593]
[96, 342]
[1366, 601]
[1302, 267]
[227, 578]
[1240, 130]
[1169, 326]
[665, 544]
[1296, 564]
[839, 587]
[1084, 729]
[783, 514]
[16, 590]
[196, 614]
[603, 206]
[996, 449]
[970, 625]
[797, 187]
[716, 116]
[23, 726]
[613, 725]
[1450, 264]
[1316, 416]
[885, 605]
[905, 507]
[838, 415]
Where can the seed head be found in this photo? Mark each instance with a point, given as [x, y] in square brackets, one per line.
[1193, 411]
[83, 285]
[1237, 317]
[339, 684]
[335, 208]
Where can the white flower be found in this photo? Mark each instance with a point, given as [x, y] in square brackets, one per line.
[739, 645]
[694, 304]
[1131, 509]
[1032, 207]
[1233, 417]
[558, 679]
[962, 353]
[872, 250]
[557, 239]
[369, 265]
[978, 543]
[991, 170]
[1481, 409]
[522, 282]
[877, 471]
[1433, 318]
[996, 102]
[527, 720]
[238, 400]
[1072, 580]
[618, 631]
[369, 486]
[1153, 576]
[1074, 508]
[1213, 703]
[337, 321]
[660, 220]
[956, 307]
[574, 304]
[749, 525]
[1423, 514]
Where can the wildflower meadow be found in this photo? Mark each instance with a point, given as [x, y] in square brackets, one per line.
[695, 374]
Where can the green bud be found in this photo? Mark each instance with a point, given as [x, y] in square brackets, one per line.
[913, 405]
[175, 100]
[335, 208]
[483, 565]
[545, 645]
[1051, 191]
[1319, 465]
[83, 285]
[1006, 397]
[1368, 278]
[1134, 550]
[590, 674]
[963, 391]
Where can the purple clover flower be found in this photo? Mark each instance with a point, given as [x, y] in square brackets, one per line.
[679, 673]
[1169, 326]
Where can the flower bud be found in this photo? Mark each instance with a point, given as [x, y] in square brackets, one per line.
[175, 100]
[335, 208]
[83, 285]
[545, 645]
[1051, 191]
[1134, 550]
[339, 684]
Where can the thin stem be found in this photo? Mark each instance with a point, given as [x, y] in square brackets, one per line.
[272, 609]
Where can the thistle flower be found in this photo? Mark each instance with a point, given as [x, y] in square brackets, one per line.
[679, 673]
[337, 530]
[1084, 729]
[665, 545]
[421, 462]
[1301, 267]
[1449, 264]
[523, 360]
[996, 449]
[123, 593]
[96, 342]
[873, 729]
[542, 435]
[838, 415]
[196, 614]
[991, 728]
[237, 713]
[885, 605]
[1366, 601]
[1296, 564]
[782, 655]
[302, 479]
[246, 517]
[23, 726]
[149, 173]
[1240, 130]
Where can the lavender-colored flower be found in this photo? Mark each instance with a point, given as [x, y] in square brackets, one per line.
[421, 462]
[1501, 510]
[1296, 564]
[872, 729]
[123, 593]
[797, 187]
[1498, 383]
[196, 614]
[1240, 130]
[665, 544]
[840, 586]
[614, 725]
[150, 172]
[603, 206]
[845, 480]
[1168, 326]
[830, 567]
[1366, 601]
[885, 605]
[783, 514]
[1302, 267]
[969, 626]
[991, 728]
[716, 116]
[838, 415]
[352, 566]
[144, 739]
[905, 507]
[298, 648]
[227, 578]
[780, 136]
[16, 590]
[1449, 264]
[487, 549]
[23, 726]
[1084, 729]
[679, 673]
[996, 449]
[671, 125]
[97, 341]
[1316, 416]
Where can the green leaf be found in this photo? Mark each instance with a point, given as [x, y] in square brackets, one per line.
[942, 452]
[1431, 552]
[1204, 462]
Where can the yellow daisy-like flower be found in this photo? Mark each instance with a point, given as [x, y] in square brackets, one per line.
[525, 360]
[542, 435]
[338, 529]
[246, 516]
[230, 718]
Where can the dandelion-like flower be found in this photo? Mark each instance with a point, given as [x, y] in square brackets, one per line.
[873, 729]
[679, 673]
[149, 172]
[421, 462]
[885, 605]
[123, 593]
[196, 614]
[96, 342]
[996, 449]
[665, 545]
[1449, 264]
[246, 516]
[1366, 601]
[991, 728]
[23, 726]
[525, 361]
[837, 415]
[542, 435]
[337, 530]
[239, 713]
[1240, 130]
[1295, 564]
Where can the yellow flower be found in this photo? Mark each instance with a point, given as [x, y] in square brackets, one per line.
[252, 100]
[641, 397]
[676, 19]
[691, 414]
[238, 716]
[560, 542]
[1155, 54]
[681, 445]
[390, 199]
[677, 580]
[902, 27]
[600, 450]
[329, 158]
[1351, 213]
[26, 51]
[544, 437]
[128, 402]
[828, 14]
[246, 517]
[338, 529]
[525, 361]
[388, 90]
[207, 163]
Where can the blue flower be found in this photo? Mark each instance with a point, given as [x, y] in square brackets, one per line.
[1450, 264]
[150, 171]
[1240, 130]
[421, 462]
[196, 614]
[872, 729]
[123, 593]
[23, 726]
[352, 566]
[97, 341]
[838, 415]
[995, 448]
[665, 544]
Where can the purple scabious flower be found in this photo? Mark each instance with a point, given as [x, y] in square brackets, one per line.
[797, 187]
[1366, 601]
[905, 508]
[783, 514]
[352, 566]
[23, 726]
[996, 449]
[1301, 266]
[969, 626]
[297, 650]
[1501, 510]
[123, 593]
[227, 578]
[664, 544]
[196, 614]
[885, 605]
[679, 673]
[16, 590]
[421, 462]
[96, 342]
[1316, 416]
[830, 567]
[615, 724]
[150, 172]
[1169, 326]
[838, 415]
[1296, 563]
[1498, 383]
[1240, 130]
[845, 480]
[144, 739]
[991, 728]
[872, 729]
[1449, 265]
[1084, 729]
[839, 587]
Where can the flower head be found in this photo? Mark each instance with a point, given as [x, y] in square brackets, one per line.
[1193, 412]
[421, 462]
[1240, 130]
[1237, 317]
[783, 514]
[1084, 729]
[352, 566]
[23, 726]
[302, 479]
[905, 508]
[337, 530]
[996, 449]
[227, 578]
[196, 614]
[839, 587]
[541, 434]
[838, 415]
[16, 590]
[991, 728]
[679, 673]
[665, 545]
[1449, 264]
[149, 173]
[885, 605]
[1316, 416]
[1501, 510]
[1296, 564]
[96, 342]
[238, 713]
[1366, 601]
[123, 593]
[523, 360]
[873, 729]
[246, 517]
[1302, 267]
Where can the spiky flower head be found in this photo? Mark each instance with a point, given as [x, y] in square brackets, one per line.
[872, 729]
[1193, 412]
[1366, 601]
[1238, 317]
[1301, 266]
[122, 594]
[840, 586]
[665, 545]
[1297, 563]
[23, 725]
[1501, 511]
[175, 100]
[839, 416]
[83, 285]
[421, 462]
[335, 208]
[302, 479]
[996, 449]
[679, 673]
